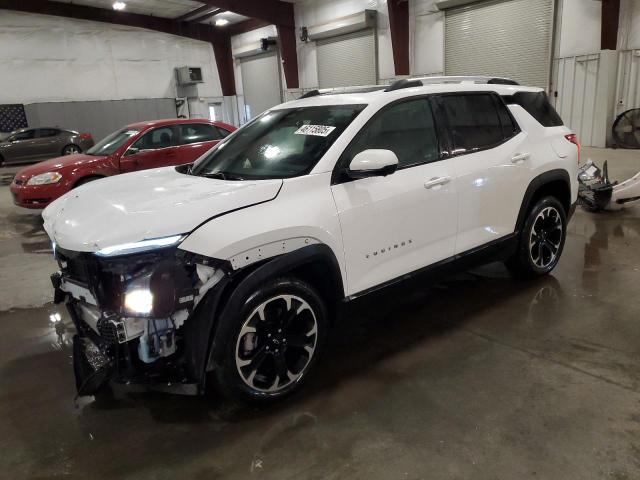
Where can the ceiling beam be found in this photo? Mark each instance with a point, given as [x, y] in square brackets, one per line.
[244, 26]
[194, 12]
[206, 16]
[610, 21]
[70, 10]
[272, 11]
[399, 24]
[287, 40]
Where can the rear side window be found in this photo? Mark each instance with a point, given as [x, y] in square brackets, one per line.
[474, 121]
[48, 132]
[538, 106]
[198, 132]
[406, 128]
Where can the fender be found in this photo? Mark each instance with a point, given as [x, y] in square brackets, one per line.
[535, 185]
[274, 267]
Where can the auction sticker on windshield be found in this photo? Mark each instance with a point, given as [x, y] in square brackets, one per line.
[316, 130]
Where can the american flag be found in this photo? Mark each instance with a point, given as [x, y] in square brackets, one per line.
[12, 117]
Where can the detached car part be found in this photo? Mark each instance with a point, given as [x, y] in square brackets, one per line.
[596, 192]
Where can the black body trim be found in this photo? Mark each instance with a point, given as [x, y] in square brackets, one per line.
[499, 249]
[534, 186]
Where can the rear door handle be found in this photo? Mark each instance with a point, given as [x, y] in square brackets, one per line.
[520, 157]
[435, 181]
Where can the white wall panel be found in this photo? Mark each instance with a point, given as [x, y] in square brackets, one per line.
[46, 58]
[628, 84]
[579, 27]
[629, 27]
[583, 93]
[426, 38]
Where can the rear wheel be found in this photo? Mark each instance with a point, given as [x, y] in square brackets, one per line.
[541, 239]
[273, 343]
[71, 149]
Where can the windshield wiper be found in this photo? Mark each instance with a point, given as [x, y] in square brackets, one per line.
[222, 176]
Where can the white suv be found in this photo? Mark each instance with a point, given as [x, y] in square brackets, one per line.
[231, 269]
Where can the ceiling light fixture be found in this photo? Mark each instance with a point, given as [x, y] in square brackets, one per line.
[119, 5]
[221, 22]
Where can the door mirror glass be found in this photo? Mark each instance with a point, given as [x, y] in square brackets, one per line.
[373, 163]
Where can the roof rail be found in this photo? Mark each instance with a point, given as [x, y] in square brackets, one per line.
[339, 90]
[404, 83]
[466, 79]
[310, 93]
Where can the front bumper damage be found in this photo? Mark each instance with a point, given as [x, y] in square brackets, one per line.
[166, 348]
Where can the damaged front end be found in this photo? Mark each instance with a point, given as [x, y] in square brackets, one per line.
[140, 316]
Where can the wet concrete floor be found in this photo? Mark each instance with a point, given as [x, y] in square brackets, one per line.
[478, 376]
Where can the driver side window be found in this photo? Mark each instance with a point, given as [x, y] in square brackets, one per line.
[406, 128]
[161, 137]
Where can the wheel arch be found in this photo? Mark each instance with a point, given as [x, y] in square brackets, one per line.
[314, 264]
[556, 183]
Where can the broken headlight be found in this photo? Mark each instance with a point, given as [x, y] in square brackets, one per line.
[158, 291]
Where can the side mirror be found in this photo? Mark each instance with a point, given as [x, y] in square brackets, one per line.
[373, 163]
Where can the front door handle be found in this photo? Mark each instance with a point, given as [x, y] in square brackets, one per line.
[436, 181]
[520, 157]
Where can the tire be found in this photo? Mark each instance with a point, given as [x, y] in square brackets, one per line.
[71, 149]
[541, 239]
[269, 350]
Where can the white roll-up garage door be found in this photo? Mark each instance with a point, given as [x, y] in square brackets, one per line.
[347, 60]
[260, 83]
[508, 38]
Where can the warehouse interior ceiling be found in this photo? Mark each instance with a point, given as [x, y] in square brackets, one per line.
[184, 10]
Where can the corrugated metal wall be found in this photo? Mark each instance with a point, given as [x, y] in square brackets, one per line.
[628, 85]
[575, 82]
[503, 38]
[347, 60]
[583, 92]
[99, 117]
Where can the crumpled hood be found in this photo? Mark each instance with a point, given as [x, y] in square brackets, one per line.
[143, 205]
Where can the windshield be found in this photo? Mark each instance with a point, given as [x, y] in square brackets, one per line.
[113, 142]
[278, 144]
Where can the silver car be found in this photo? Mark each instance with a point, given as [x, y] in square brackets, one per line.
[28, 144]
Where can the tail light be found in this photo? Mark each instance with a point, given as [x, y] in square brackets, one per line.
[573, 138]
[86, 136]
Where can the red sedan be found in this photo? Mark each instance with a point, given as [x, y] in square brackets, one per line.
[159, 143]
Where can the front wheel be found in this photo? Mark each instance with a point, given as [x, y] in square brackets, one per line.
[274, 341]
[541, 239]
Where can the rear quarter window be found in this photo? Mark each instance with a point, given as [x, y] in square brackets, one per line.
[538, 106]
[475, 121]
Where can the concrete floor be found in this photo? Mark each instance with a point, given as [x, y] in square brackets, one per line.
[479, 377]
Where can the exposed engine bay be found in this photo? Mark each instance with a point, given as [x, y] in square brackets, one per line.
[133, 315]
[596, 192]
